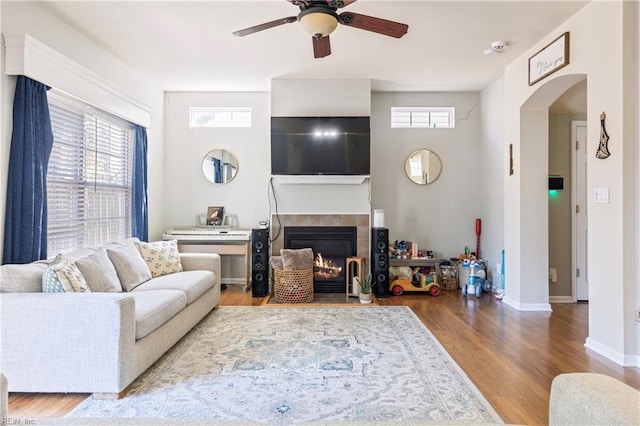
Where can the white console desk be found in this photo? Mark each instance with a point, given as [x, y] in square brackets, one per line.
[223, 241]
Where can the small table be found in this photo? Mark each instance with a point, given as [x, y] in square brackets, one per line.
[223, 241]
[354, 264]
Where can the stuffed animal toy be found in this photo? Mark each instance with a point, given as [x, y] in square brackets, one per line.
[399, 272]
[399, 250]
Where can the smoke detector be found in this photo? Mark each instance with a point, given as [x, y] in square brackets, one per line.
[497, 46]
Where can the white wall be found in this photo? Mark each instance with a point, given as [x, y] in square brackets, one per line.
[187, 191]
[637, 105]
[631, 105]
[492, 154]
[308, 97]
[4, 159]
[39, 22]
[440, 216]
[596, 45]
[321, 97]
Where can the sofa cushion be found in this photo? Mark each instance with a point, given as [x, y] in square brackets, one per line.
[130, 267]
[63, 275]
[193, 283]
[592, 399]
[99, 272]
[79, 253]
[22, 278]
[116, 244]
[154, 308]
[162, 257]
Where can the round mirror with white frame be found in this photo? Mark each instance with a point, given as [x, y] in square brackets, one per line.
[423, 166]
[219, 166]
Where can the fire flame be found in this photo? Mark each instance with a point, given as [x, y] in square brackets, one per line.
[325, 268]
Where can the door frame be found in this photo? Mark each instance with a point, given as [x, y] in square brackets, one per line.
[575, 201]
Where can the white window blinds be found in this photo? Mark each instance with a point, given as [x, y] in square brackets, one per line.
[423, 117]
[88, 177]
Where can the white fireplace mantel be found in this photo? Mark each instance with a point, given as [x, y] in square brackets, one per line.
[321, 179]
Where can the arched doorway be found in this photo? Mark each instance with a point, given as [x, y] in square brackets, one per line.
[568, 196]
[530, 253]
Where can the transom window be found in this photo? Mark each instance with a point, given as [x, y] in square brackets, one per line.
[220, 117]
[423, 117]
[88, 176]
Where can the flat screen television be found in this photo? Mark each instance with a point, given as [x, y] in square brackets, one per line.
[320, 146]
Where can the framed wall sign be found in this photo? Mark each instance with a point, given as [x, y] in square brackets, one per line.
[549, 59]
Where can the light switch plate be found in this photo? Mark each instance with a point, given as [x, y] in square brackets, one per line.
[601, 195]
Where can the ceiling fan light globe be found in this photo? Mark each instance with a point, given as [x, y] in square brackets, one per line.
[318, 23]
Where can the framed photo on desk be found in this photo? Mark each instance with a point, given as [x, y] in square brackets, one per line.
[215, 216]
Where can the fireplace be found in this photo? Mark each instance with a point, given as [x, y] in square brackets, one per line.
[331, 246]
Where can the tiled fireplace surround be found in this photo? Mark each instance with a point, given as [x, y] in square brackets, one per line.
[361, 221]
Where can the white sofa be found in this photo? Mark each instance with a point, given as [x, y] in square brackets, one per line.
[592, 399]
[99, 341]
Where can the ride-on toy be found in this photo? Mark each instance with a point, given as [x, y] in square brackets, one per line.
[427, 282]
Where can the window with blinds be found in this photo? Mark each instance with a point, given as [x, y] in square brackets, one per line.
[220, 116]
[423, 117]
[88, 177]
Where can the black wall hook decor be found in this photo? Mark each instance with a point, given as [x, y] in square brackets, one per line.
[603, 148]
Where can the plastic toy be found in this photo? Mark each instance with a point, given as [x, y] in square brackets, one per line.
[405, 272]
[476, 279]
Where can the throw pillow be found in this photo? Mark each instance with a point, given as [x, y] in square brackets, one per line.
[130, 267]
[99, 272]
[297, 258]
[162, 257]
[63, 275]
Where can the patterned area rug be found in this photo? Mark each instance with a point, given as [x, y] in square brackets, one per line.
[283, 365]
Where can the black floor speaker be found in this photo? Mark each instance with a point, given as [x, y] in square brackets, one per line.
[259, 262]
[380, 261]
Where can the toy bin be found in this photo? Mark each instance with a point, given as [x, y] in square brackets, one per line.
[449, 277]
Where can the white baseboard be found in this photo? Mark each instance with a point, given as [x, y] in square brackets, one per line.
[615, 356]
[534, 307]
[561, 299]
[632, 360]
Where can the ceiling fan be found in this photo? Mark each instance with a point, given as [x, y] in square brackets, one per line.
[320, 17]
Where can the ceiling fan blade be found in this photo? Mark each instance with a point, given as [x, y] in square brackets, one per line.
[265, 26]
[370, 23]
[321, 47]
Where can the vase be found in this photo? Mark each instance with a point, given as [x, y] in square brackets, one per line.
[365, 298]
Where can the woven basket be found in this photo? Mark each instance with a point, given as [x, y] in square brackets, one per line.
[449, 283]
[293, 285]
[449, 278]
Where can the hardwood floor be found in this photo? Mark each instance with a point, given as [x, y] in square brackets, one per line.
[511, 356]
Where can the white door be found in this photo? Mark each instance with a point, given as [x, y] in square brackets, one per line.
[579, 222]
